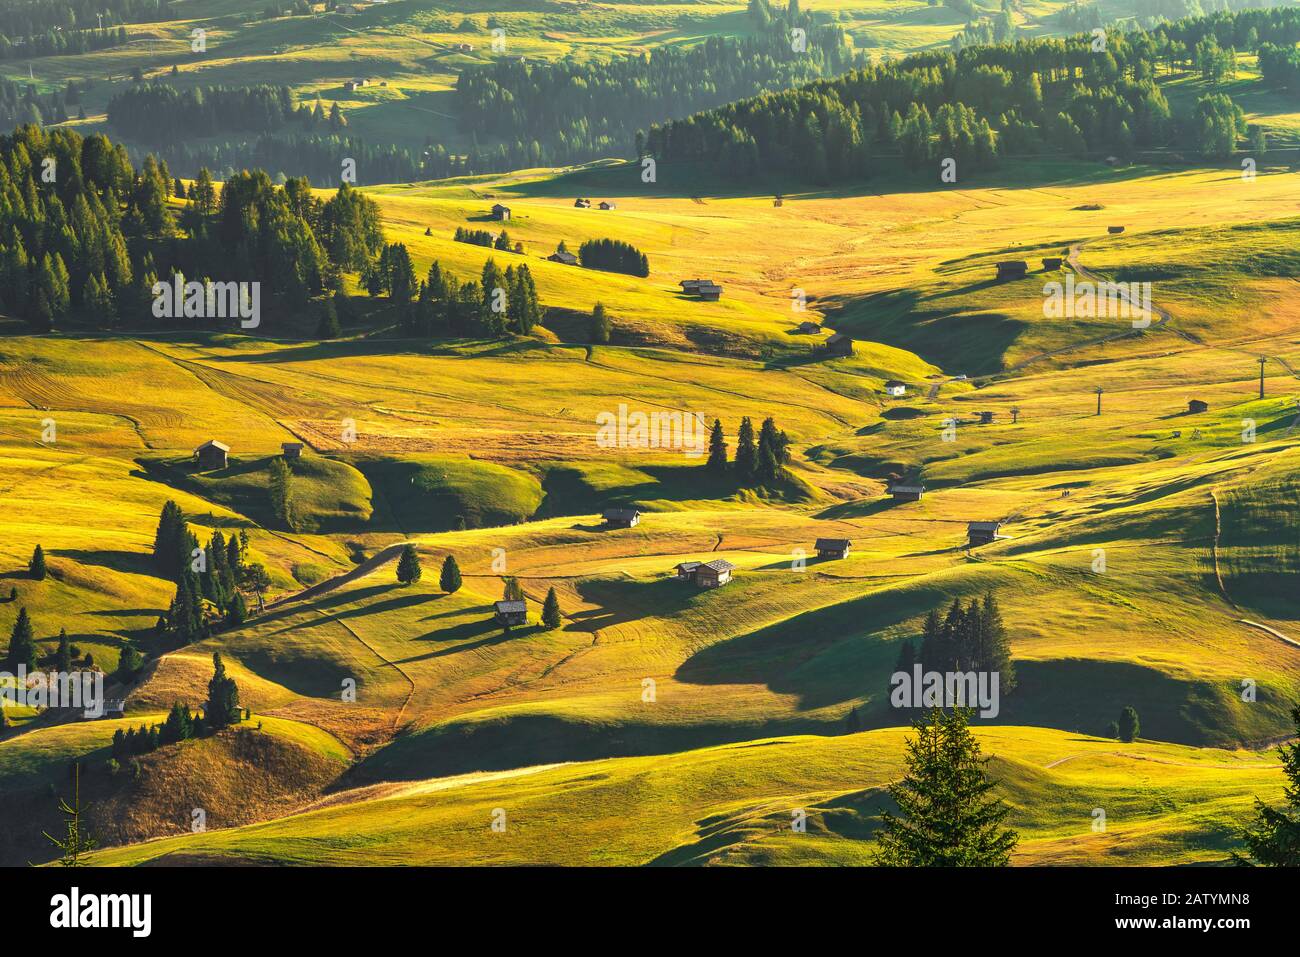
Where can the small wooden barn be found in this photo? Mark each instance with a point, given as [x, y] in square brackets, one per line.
[686, 570]
[501, 212]
[581, 203]
[1052, 262]
[714, 574]
[906, 493]
[709, 291]
[1013, 269]
[606, 204]
[895, 388]
[1197, 405]
[563, 256]
[986, 418]
[212, 455]
[833, 547]
[291, 450]
[1114, 230]
[621, 517]
[808, 329]
[840, 345]
[511, 612]
[981, 533]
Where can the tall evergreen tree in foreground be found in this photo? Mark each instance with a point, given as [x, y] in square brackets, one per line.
[408, 566]
[63, 657]
[77, 841]
[946, 815]
[1273, 838]
[1129, 725]
[37, 565]
[22, 646]
[449, 580]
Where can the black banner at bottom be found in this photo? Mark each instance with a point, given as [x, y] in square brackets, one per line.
[146, 907]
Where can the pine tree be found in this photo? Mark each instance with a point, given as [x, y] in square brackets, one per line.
[599, 325]
[449, 580]
[237, 612]
[222, 708]
[280, 488]
[63, 656]
[36, 567]
[328, 327]
[77, 841]
[22, 645]
[408, 566]
[746, 463]
[946, 816]
[1273, 838]
[551, 610]
[1129, 725]
[717, 461]
[997, 650]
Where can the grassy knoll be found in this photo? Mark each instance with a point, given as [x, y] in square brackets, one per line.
[734, 805]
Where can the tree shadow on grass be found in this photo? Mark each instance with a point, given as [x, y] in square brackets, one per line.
[118, 560]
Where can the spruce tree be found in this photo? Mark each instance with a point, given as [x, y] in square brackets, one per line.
[449, 580]
[63, 656]
[946, 814]
[997, 649]
[717, 462]
[512, 591]
[599, 325]
[237, 612]
[222, 708]
[22, 645]
[279, 487]
[746, 463]
[551, 610]
[1273, 838]
[1129, 725]
[408, 566]
[36, 567]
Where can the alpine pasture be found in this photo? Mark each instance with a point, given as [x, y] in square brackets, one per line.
[1146, 551]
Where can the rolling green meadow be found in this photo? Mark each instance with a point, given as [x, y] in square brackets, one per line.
[1148, 554]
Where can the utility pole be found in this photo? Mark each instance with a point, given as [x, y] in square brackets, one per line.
[1099, 390]
[1262, 361]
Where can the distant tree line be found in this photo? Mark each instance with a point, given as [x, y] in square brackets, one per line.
[28, 18]
[157, 113]
[551, 113]
[61, 42]
[982, 102]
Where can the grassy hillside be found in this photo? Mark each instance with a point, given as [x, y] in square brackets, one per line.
[736, 804]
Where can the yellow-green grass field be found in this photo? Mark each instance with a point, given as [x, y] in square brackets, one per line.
[735, 804]
[1148, 557]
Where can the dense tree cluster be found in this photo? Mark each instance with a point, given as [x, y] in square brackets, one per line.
[971, 637]
[441, 305]
[319, 157]
[83, 232]
[20, 103]
[1035, 97]
[206, 596]
[757, 463]
[61, 42]
[613, 255]
[157, 113]
[564, 112]
[25, 18]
